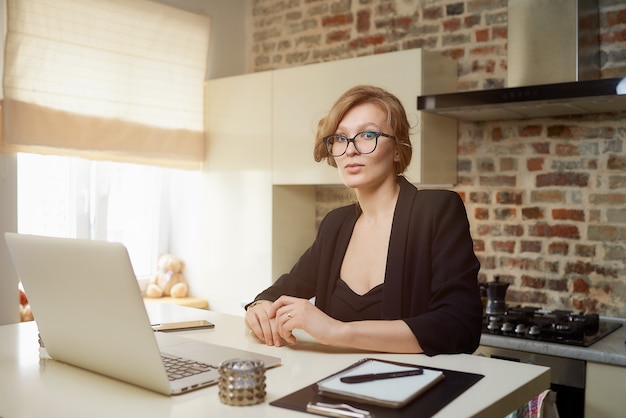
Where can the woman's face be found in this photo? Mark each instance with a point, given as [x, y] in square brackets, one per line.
[361, 171]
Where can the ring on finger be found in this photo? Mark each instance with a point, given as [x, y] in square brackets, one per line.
[289, 315]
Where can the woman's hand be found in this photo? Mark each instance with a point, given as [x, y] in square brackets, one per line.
[292, 313]
[259, 321]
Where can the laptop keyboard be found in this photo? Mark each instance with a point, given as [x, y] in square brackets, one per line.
[178, 367]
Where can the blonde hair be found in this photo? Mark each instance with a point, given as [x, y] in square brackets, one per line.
[358, 95]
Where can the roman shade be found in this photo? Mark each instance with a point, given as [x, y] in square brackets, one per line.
[120, 80]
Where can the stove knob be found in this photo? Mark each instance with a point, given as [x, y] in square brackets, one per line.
[507, 327]
[534, 331]
[520, 329]
[493, 326]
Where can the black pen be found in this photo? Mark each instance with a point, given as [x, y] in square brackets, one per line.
[360, 378]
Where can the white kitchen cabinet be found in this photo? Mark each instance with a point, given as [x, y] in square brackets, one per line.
[302, 95]
[238, 188]
[605, 391]
[254, 230]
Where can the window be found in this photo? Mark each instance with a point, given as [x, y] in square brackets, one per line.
[77, 198]
[106, 79]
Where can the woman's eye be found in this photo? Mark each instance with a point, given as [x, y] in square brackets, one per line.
[368, 135]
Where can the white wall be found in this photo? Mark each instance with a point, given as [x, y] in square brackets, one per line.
[9, 312]
[228, 52]
[190, 192]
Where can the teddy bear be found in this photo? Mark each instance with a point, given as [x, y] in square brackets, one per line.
[169, 279]
[26, 314]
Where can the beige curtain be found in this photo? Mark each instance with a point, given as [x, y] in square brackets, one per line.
[120, 80]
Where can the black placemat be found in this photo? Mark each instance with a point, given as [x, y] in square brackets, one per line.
[426, 405]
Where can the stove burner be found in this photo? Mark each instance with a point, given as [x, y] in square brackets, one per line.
[558, 326]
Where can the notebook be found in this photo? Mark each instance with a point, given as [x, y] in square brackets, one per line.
[425, 405]
[393, 393]
[90, 313]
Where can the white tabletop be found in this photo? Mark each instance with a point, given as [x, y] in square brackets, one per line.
[32, 387]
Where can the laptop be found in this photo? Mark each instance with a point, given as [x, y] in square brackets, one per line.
[90, 314]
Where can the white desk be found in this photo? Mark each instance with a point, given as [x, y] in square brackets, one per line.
[30, 387]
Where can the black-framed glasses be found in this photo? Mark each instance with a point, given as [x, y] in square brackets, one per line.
[364, 142]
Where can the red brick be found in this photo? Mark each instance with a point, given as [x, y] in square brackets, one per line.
[613, 37]
[499, 33]
[528, 131]
[337, 20]
[532, 213]
[484, 230]
[496, 134]
[433, 13]
[547, 196]
[541, 147]
[557, 284]
[484, 50]
[481, 214]
[566, 150]
[503, 246]
[501, 181]
[533, 282]
[568, 214]
[482, 35]
[503, 214]
[559, 248]
[363, 21]
[550, 231]
[582, 250]
[480, 197]
[580, 286]
[508, 163]
[513, 230]
[584, 268]
[486, 262]
[560, 131]
[509, 198]
[531, 246]
[451, 25]
[337, 36]
[367, 41]
[534, 164]
[617, 17]
[562, 179]
[616, 162]
[471, 21]
[455, 53]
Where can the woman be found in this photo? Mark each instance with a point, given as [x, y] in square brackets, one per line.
[395, 272]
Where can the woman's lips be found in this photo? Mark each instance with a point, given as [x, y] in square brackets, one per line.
[353, 168]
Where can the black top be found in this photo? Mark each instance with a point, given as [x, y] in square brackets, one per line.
[431, 277]
[346, 305]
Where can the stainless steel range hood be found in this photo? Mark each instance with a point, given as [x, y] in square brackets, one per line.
[553, 68]
[544, 100]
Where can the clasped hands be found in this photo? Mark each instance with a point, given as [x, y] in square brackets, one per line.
[274, 322]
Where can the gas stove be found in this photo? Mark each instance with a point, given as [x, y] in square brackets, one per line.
[556, 326]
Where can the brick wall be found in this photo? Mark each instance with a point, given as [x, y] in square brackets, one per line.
[545, 197]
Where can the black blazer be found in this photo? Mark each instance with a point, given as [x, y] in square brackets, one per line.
[431, 275]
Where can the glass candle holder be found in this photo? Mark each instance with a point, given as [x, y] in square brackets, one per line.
[242, 382]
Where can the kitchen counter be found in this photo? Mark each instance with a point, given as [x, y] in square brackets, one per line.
[30, 386]
[609, 350]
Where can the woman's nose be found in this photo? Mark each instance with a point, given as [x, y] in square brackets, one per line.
[351, 150]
